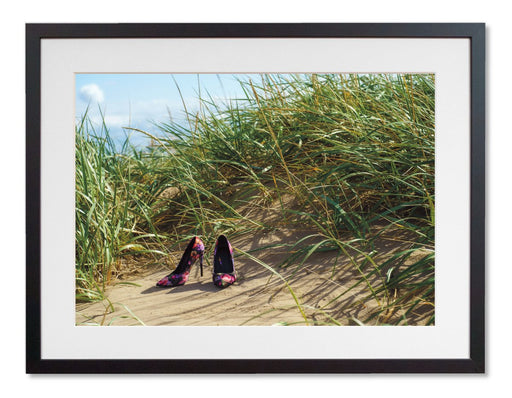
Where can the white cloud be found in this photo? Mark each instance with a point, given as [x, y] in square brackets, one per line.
[111, 121]
[91, 93]
[116, 120]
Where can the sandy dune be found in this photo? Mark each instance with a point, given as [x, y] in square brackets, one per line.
[259, 297]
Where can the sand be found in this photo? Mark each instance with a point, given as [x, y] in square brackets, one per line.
[259, 297]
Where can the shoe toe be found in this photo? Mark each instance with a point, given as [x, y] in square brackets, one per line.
[163, 282]
[223, 280]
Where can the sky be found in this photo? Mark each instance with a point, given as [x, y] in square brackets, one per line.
[141, 100]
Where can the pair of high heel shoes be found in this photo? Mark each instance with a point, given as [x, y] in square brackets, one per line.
[224, 273]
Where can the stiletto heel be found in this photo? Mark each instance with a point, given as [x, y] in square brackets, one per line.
[179, 276]
[224, 274]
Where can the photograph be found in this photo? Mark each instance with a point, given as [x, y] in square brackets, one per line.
[255, 199]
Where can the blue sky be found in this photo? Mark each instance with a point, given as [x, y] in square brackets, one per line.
[139, 100]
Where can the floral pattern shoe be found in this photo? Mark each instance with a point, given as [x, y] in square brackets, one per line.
[224, 274]
[179, 276]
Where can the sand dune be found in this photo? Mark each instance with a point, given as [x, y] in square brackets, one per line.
[259, 297]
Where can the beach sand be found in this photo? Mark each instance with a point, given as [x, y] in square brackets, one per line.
[259, 297]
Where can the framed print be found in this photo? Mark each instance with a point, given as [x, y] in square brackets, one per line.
[255, 198]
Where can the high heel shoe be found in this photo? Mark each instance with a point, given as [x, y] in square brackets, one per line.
[179, 276]
[224, 273]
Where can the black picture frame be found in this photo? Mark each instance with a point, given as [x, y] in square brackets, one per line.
[475, 32]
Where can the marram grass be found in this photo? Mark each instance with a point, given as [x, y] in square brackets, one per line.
[356, 153]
